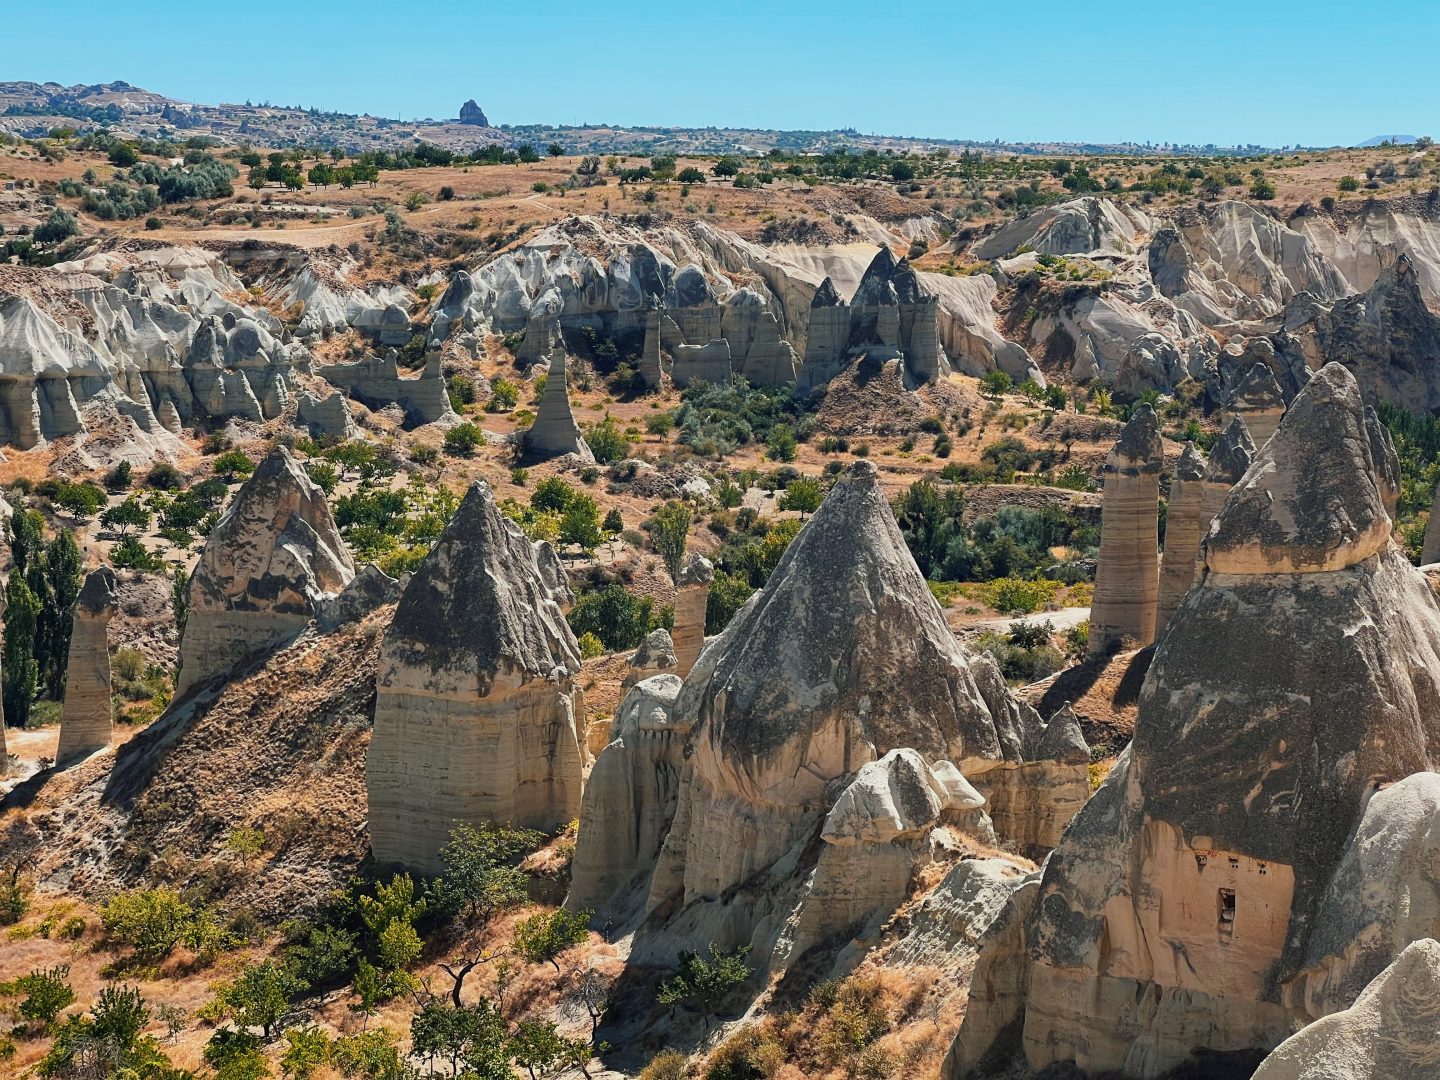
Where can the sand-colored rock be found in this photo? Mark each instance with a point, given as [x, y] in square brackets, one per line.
[692, 593]
[85, 718]
[1187, 906]
[1127, 576]
[1258, 400]
[477, 717]
[1185, 524]
[270, 561]
[555, 431]
[1031, 801]
[375, 381]
[1392, 1032]
[655, 656]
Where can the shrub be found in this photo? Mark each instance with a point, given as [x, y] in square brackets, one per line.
[590, 646]
[703, 984]
[233, 463]
[996, 382]
[462, 439]
[607, 442]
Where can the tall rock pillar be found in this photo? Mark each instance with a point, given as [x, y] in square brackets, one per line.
[555, 431]
[1127, 579]
[1183, 530]
[692, 593]
[85, 719]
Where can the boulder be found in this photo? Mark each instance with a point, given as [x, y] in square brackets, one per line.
[1127, 576]
[269, 564]
[85, 719]
[477, 715]
[655, 656]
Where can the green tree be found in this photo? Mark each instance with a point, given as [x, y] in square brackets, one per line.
[543, 937]
[47, 994]
[614, 523]
[703, 984]
[151, 922]
[995, 382]
[245, 843]
[607, 442]
[538, 1047]
[555, 150]
[480, 877]
[462, 439]
[781, 444]
[307, 1049]
[552, 494]
[60, 225]
[63, 579]
[22, 674]
[669, 531]
[260, 996]
[803, 494]
[690, 175]
[231, 464]
[123, 516]
[580, 523]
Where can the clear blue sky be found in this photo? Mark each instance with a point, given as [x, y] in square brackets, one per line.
[1266, 71]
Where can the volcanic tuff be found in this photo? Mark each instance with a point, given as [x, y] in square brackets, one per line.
[272, 559]
[477, 717]
[1257, 745]
[1127, 579]
[85, 723]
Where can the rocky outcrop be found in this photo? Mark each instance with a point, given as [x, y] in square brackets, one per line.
[471, 113]
[1230, 459]
[629, 801]
[477, 716]
[1188, 906]
[555, 432]
[85, 718]
[1086, 226]
[1386, 336]
[325, 416]
[1390, 1033]
[1185, 524]
[1127, 581]
[375, 382]
[655, 656]
[369, 590]
[272, 559]
[841, 659]
[1430, 549]
[692, 595]
[1031, 801]
[1257, 400]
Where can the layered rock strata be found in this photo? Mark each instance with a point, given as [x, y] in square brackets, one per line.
[85, 718]
[271, 561]
[1185, 525]
[692, 594]
[477, 716]
[1127, 576]
[1214, 893]
[555, 431]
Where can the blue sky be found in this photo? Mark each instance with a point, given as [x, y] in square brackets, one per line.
[1274, 72]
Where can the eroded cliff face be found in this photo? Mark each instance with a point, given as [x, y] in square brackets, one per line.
[477, 717]
[272, 559]
[1189, 893]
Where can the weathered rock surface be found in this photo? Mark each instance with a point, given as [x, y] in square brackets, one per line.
[1259, 401]
[1127, 576]
[1185, 524]
[692, 594]
[477, 717]
[1392, 1032]
[1032, 801]
[471, 113]
[272, 559]
[375, 382]
[325, 416]
[1186, 907]
[655, 656]
[85, 719]
[555, 432]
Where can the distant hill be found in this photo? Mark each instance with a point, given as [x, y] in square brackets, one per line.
[31, 109]
[1396, 140]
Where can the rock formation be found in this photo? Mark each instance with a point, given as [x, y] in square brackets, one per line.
[375, 382]
[477, 717]
[655, 656]
[471, 113]
[1258, 401]
[85, 718]
[1185, 524]
[325, 416]
[274, 556]
[692, 594]
[1032, 801]
[1390, 1033]
[1189, 905]
[1430, 550]
[1127, 581]
[841, 659]
[1230, 459]
[555, 431]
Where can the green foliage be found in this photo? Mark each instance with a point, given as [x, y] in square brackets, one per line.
[80, 500]
[803, 494]
[669, 530]
[504, 396]
[131, 554]
[463, 439]
[22, 673]
[1024, 654]
[780, 444]
[716, 418]
[552, 494]
[481, 876]
[233, 463]
[60, 225]
[728, 593]
[47, 994]
[245, 843]
[473, 1037]
[996, 382]
[580, 523]
[235, 1055]
[325, 956]
[152, 922]
[542, 937]
[702, 983]
[538, 1048]
[131, 513]
[590, 646]
[607, 442]
[324, 475]
[370, 1055]
[306, 1051]
[617, 617]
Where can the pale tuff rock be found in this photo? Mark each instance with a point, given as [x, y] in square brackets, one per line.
[1127, 581]
[843, 657]
[325, 416]
[477, 717]
[555, 432]
[629, 800]
[1258, 400]
[701, 363]
[552, 571]
[1185, 524]
[692, 594]
[1430, 552]
[1032, 801]
[1188, 905]
[270, 562]
[369, 590]
[1084, 226]
[1387, 462]
[947, 928]
[85, 719]
[375, 382]
[1392, 1032]
[471, 113]
[655, 656]
[650, 368]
